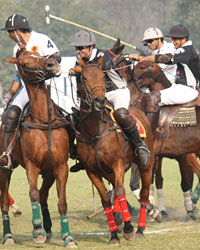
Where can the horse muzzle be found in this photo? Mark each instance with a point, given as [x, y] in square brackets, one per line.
[99, 103]
[52, 66]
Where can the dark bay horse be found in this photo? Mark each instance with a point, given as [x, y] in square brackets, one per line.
[105, 153]
[136, 80]
[43, 148]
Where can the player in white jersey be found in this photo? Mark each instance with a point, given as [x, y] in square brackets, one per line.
[154, 39]
[17, 27]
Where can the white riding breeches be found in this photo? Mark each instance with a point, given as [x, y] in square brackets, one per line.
[21, 99]
[177, 94]
[120, 98]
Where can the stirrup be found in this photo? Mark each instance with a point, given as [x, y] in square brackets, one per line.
[7, 167]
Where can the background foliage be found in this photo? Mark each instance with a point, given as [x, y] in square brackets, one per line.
[125, 19]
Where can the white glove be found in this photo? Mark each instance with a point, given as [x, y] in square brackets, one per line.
[6, 100]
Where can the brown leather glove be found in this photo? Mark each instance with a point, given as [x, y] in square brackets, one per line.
[75, 71]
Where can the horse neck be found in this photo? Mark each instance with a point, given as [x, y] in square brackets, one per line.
[38, 102]
[92, 123]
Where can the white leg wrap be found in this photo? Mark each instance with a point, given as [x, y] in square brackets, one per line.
[136, 193]
[161, 201]
[151, 195]
[189, 206]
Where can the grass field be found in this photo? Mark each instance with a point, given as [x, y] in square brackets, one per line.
[93, 234]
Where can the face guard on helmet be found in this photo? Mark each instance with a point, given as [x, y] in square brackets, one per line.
[152, 33]
[83, 38]
[15, 22]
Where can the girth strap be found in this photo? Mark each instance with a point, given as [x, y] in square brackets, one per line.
[29, 125]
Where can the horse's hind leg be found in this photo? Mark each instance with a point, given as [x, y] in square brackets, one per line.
[8, 238]
[186, 185]
[44, 192]
[61, 175]
[105, 200]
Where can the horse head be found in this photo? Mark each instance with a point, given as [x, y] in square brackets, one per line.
[34, 68]
[150, 75]
[93, 85]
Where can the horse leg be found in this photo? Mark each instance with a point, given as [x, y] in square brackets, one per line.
[61, 175]
[120, 196]
[159, 187]
[105, 200]
[186, 185]
[8, 238]
[44, 192]
[39, 234]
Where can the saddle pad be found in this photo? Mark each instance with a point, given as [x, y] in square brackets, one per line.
[184, 117]
[139, 125]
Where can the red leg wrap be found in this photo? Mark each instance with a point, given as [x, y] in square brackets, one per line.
[11, 200]
[124, 207]
[142, 219]
[111, 221]
[116, 206]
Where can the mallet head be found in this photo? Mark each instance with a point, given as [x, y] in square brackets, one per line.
[47, 17]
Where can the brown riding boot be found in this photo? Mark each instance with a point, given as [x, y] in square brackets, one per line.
[152, 107]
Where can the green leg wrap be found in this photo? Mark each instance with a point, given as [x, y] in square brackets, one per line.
[65, 232]
[6, 224]
[196, 194]
[36, 221]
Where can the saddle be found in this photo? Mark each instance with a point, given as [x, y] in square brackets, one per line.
[183, 115]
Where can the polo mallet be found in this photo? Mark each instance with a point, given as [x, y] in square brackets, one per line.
[48, 16]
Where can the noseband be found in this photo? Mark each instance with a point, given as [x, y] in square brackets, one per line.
[89, 94]
[41, 75]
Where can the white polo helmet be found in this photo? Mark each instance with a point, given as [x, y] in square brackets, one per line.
[152, 33]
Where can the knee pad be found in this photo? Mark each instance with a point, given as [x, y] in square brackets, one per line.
[11, 117]
[125, 119]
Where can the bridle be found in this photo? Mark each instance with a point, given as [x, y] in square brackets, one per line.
[89, 94]
[40, 75]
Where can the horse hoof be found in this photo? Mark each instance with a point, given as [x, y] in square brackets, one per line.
[190, 217]
[39, 235]
[114, 242]
[49, 235]
[9, 240]
[159, 217]
[69, 242]
[40, 239]
[139, 235]
[120, 228]
[129, 236]
[164, 215]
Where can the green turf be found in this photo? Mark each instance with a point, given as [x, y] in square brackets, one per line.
[94, 234]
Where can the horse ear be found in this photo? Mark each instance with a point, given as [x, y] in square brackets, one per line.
[117, 48]
[100, 60]
[11, 60]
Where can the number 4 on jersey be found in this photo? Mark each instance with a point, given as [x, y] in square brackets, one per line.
[49, 44]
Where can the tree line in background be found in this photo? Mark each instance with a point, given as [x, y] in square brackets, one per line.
[125, 19]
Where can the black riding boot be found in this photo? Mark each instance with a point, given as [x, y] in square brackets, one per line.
[73, 148]
[10, 123]
[128, 124]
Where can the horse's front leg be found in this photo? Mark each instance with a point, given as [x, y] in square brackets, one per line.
[120, 199]
[32, 172]
[8, 238]
[61, 175]
[105, 200]
[44, 193]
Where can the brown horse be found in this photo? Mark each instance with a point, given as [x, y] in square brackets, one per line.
[141, 76]
[43, 148]
[105, 152]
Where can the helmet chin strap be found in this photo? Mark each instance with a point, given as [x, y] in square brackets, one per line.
[19, 38]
